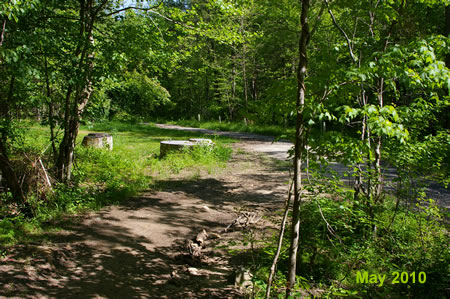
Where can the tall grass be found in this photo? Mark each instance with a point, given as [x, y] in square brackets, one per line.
[102, 177]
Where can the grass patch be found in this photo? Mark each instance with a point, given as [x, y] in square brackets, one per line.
[269, 130]
[192, 159]
[102, 177]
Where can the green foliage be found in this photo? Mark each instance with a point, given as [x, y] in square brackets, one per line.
[331, 254]
[237, 60]
[192, 159]
[425, 158]
[137, 95]
[280, 103]
[16, 229]
[103, 177]
[12, 9]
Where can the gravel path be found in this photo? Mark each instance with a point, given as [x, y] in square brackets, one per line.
[278, 149]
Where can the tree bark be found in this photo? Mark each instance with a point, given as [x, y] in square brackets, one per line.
[233, 89]
[300, 141]
[377, 162]
[8, 172]
[10, 175]
[74, 105]
[244, 70]
[447, 32]
[6, 167]
[2, 34]
[51, 111]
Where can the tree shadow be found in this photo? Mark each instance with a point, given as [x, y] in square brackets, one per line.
[101, 260]
[147, 130]
[117, 252]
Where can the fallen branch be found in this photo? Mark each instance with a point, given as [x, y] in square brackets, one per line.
[194, 249]
[243, 220]
[201, 237]
[194, 246]
[47, 180]
[329, 227]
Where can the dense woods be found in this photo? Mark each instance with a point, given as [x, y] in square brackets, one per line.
[364, 83]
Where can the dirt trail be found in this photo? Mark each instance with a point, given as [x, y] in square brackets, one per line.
[278, 150]
[250, 142]
[135, 250]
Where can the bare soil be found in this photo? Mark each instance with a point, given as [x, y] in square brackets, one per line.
[278, 149]
[136, 250]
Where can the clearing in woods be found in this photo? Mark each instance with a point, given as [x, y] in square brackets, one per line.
[137, 249]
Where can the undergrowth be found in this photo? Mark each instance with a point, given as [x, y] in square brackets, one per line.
[340, 241]
[100, 177]
[330, 262]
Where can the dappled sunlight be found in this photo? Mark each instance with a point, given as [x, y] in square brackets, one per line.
[131, 249]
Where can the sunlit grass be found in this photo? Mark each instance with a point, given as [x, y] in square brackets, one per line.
[270, 130]
[102, 177]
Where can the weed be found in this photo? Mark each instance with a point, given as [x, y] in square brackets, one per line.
[329, 262]
[102, 177]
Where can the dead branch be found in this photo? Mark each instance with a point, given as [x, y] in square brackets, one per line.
[194, 245]
[243, 220]
[280, 240]
[347, 39]
[194, 249]
[47, 180]
[201, 237]
[329, 227]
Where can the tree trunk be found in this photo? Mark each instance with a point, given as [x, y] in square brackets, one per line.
[51, 111]
[378, 188]
[280, 242]
[6, 167]
[300, 142]
[233, 90]
[447, 32]
[2, 34]
[244, 71]
[359, 187]
[74, 105]
[10, 175]
[66, 149]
